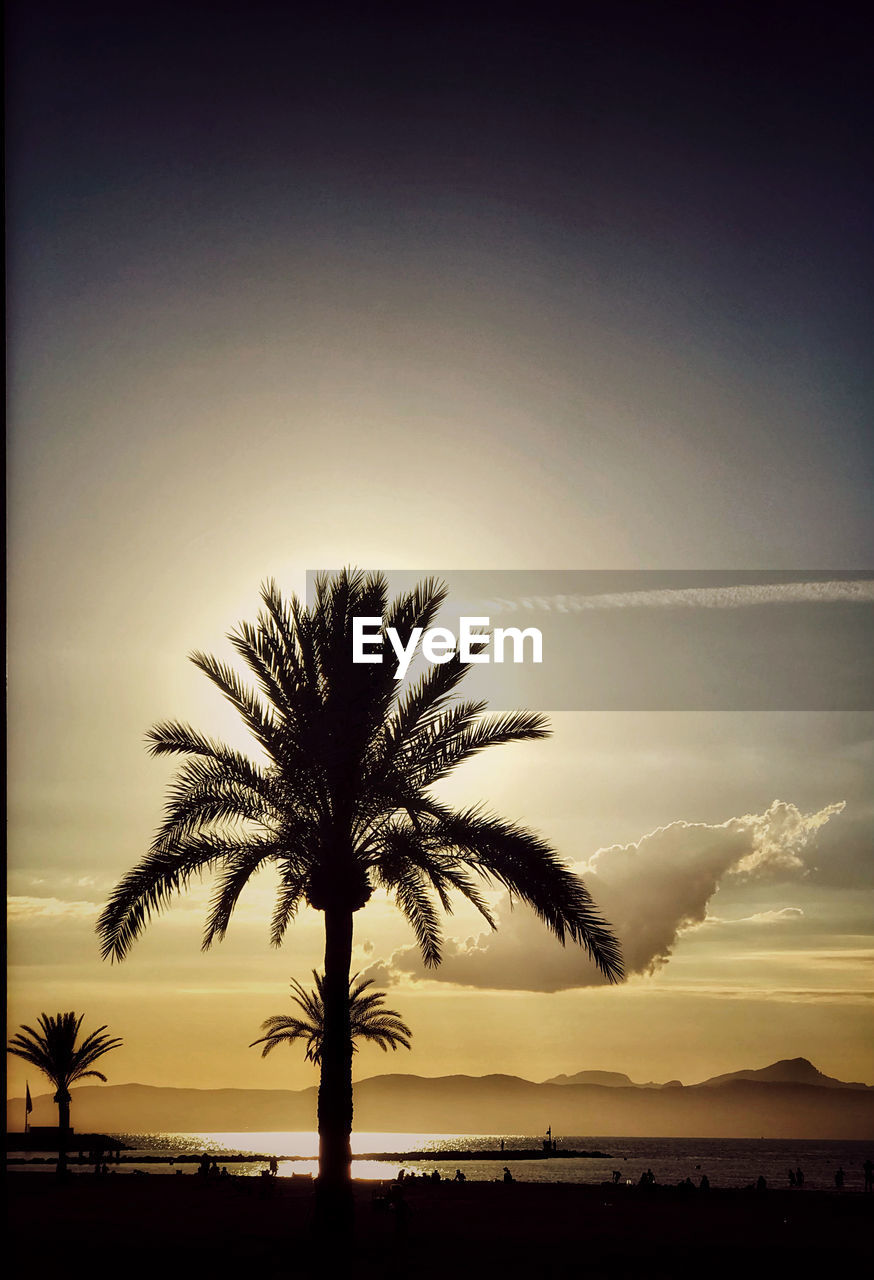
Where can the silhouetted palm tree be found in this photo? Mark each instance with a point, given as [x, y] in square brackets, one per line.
[55, 1052]
[343, 805]
[368, 1020]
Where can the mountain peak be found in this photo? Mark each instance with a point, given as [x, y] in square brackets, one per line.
[786, 1071]
[612, 1079]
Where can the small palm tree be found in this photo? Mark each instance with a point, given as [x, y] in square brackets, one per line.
[368, 1020]
[54, 1050]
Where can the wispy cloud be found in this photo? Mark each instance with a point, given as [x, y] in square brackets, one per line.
[856, 959]
[740, 596]
[767, 994]
[776, 916]
[24, 908]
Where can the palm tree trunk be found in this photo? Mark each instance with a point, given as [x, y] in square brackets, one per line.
[62, 1098]
[334, 1206]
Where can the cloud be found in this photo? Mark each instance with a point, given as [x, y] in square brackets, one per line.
[24, 908]
[741, 596]
[775, 916]
[651, 891]
[779, 836]
[772, 994]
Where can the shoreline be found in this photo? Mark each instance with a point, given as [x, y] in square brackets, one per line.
[450, 1156]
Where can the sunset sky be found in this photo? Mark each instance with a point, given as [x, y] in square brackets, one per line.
[288, 294]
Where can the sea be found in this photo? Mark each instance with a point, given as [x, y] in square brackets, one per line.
[727, 1162]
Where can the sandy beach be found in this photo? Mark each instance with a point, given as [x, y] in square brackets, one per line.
[180, 1225]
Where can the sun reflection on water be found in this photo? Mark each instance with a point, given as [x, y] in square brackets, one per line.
[297, 1152]
[304, 1146]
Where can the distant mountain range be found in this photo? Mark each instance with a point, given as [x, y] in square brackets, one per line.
[786, 1071]
[789, 1099]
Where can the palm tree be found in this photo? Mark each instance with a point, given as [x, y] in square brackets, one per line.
[54, 1050]
[342, 805]
[367, 1020]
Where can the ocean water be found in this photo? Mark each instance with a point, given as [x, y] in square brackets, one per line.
[727, 1162]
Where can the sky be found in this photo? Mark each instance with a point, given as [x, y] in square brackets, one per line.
[577, 293]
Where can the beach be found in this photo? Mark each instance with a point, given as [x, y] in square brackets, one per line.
[232, 1226]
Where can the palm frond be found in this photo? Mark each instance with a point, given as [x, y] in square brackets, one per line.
[238, 870]
[417, 608]
[291, 892]
[407, 884]
[253, 644]
[287, 1030]
[259, 719]
[531, 870]
[450, 743]
[149, 888]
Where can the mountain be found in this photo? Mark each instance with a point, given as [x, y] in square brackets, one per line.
[787, 1071]
[611, 1079]
[732, 1108]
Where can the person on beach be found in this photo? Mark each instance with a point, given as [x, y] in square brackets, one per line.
[868, 1169]
[792, 1182]
[799, 1178]
[839, 1180]
[508, 1177]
